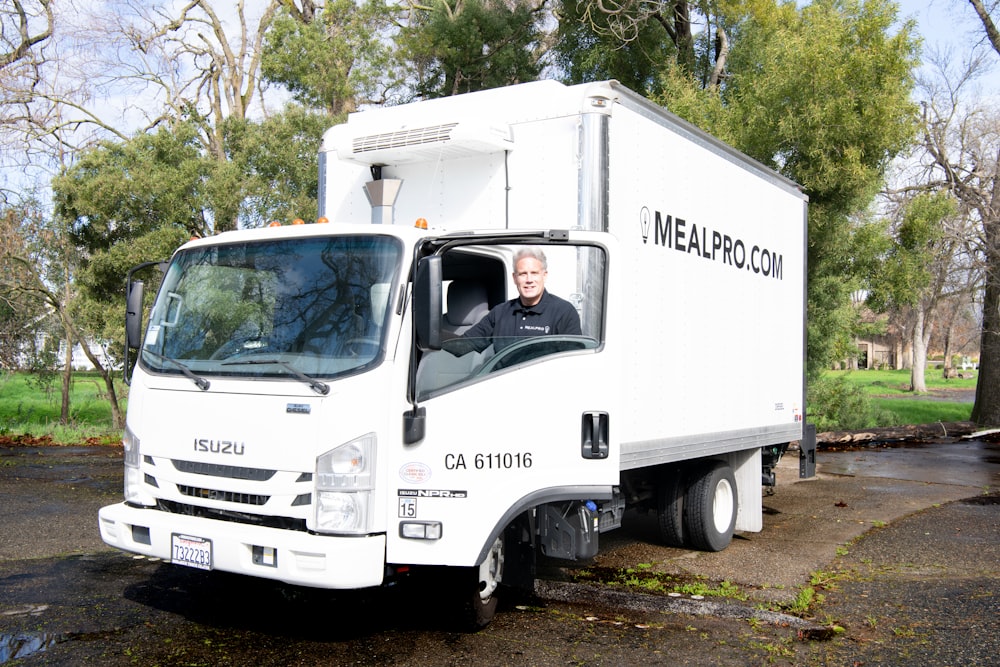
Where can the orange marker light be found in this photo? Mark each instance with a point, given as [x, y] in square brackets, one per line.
[275, 223]
[322, 220]
[298, 221]
[421, 223]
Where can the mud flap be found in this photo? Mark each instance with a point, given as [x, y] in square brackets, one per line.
[807, 452]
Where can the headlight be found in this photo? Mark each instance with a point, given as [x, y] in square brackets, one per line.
[342, 512]
[133, 474]
[344, 483]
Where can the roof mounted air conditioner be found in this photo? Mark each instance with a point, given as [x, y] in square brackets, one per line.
[424, 144]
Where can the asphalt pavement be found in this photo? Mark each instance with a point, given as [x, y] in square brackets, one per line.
[889, 556]
[900, 546]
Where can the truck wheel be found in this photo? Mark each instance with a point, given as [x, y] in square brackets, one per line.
[479, 588]
[710, 508]
[670, 508]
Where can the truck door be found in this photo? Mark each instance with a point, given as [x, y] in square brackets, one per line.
[508, 422]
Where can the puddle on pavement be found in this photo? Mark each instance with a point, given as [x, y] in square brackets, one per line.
[970, 463]
[17, 646]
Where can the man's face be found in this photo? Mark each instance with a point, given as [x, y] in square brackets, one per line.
[529, 276]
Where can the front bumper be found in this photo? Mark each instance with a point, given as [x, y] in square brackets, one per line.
[303, 559]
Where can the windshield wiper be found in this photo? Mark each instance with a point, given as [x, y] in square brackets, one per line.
[202, 383]
[321, 388]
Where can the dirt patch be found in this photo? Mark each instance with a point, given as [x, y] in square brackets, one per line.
[25, 440]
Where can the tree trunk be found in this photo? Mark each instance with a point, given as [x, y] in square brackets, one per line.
[947, 345]
[917, 382]
[986, 410]
[109, 382]
[67, 377]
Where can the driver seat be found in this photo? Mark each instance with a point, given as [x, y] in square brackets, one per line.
[467, 304]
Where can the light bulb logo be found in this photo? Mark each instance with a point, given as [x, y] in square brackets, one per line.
[644, 221]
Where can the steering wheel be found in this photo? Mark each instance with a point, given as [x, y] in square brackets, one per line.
[533, 348]
[239, 346]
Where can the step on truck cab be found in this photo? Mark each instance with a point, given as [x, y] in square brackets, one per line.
[317, 404]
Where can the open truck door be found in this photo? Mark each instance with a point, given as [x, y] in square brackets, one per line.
[515, 440]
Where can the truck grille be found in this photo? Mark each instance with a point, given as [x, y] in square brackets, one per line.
[280, 522]
[216, 470]
[225, 496]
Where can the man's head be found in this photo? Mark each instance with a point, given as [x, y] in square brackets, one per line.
[530, 271]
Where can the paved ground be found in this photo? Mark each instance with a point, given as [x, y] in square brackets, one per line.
[807, 521]
[901, 545]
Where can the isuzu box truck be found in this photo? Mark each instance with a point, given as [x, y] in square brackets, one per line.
[311, 403]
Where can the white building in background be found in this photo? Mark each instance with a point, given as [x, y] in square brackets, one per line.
[79, 360]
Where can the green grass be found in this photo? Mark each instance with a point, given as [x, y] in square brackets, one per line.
[889, 395]
[29, 406]
[905, 411]
[897, 383]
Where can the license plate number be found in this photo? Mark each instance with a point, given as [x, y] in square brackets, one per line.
[191, 551]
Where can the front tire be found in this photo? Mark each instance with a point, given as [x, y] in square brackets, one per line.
[478, 588]
[710, 506]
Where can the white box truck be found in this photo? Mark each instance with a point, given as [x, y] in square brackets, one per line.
[304, 405]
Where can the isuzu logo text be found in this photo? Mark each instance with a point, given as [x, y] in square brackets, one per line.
[219, 446]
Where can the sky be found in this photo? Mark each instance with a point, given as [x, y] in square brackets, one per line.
[952, 24]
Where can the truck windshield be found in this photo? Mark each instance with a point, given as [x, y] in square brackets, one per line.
[313, 307]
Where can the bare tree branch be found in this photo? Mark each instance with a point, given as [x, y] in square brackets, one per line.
[18, 48]
[989, 26]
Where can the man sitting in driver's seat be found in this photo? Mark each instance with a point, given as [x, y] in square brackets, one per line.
[534, 312]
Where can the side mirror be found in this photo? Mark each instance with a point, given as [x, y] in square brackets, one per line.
[427, 303]
[133, 314]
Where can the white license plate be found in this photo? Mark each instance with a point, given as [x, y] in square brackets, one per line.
[191, 551]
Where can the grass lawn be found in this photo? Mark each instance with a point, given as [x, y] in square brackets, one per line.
[28, 407]
[889, 392]
[897, 383]
[907, 411]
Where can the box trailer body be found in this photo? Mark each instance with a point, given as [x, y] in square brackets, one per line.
[302, 409]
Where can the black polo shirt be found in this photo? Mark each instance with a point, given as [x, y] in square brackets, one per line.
[511, 320]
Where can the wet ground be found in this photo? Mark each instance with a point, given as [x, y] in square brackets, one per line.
[888, 557]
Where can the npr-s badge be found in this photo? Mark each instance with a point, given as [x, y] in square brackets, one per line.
[408, 499]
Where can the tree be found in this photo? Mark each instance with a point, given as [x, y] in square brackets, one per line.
[645, 30]
[137, 201]
[460, 46]
[195, 64]
[206, 75]
[971, 171]
[333, 59]
[588, 47]
[822, 95]
[20, 314]
[25, 27]
[915, 273]
[37, 264]
[819, 93]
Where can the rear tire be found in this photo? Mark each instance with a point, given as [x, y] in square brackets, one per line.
[670, 508]
[710, 506]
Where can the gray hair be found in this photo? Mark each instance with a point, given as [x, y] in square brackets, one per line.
[533, 253]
